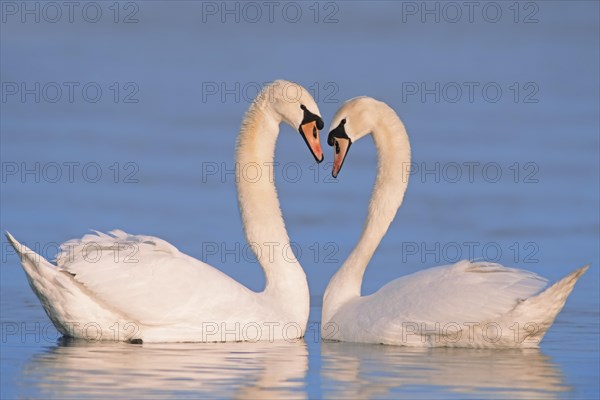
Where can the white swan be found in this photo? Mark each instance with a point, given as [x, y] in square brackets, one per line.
[468, 304]
[159, 294]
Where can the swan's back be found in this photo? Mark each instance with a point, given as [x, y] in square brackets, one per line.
[474, 291]
[145, 278]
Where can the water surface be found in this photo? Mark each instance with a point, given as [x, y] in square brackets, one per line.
[541, 214]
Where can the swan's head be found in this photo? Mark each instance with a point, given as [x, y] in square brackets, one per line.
[355, 119]
[297, 107]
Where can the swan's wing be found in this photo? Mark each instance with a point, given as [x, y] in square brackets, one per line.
[146, 279]
[456, 294]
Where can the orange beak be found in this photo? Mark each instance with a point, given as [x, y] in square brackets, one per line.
[341, 147]
[310, 134]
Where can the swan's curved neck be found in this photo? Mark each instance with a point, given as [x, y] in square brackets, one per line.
[393, 149]
[259, 205]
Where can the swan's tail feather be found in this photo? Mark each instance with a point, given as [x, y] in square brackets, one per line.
[67, 303]
[33, 263]
[38, 270]
[543, 308]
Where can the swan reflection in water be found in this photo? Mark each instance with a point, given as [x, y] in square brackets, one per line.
[80, 369]
[365, 371]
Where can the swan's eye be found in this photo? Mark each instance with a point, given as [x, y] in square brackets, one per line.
[343, 122]
[315, 132]
[337, 147]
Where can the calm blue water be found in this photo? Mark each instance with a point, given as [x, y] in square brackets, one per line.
[110, 125]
